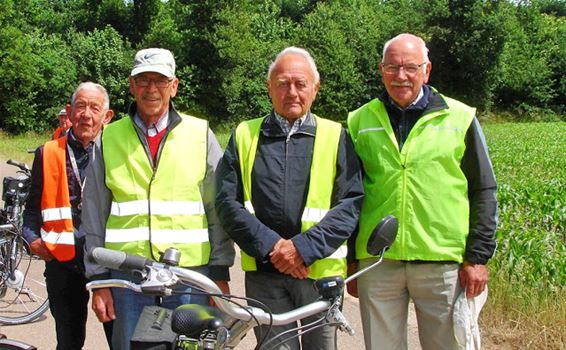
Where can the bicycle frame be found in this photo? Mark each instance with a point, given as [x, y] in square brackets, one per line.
[22, 290]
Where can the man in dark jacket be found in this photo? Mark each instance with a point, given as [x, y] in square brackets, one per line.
[425, 161]
[289, 194]
[50, 208]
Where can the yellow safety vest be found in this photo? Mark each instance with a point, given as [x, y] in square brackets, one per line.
[422, 185]
[323, 172]
[153, 209]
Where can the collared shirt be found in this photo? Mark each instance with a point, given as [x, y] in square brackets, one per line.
[288, 128]
[155, 128]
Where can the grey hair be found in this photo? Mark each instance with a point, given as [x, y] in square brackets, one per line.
[293, 50]
[419, 39]
[89, 85]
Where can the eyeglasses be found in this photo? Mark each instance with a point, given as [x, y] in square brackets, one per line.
[145, 82]
[410, 69]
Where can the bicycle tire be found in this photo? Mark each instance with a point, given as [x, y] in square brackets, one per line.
[24, 298]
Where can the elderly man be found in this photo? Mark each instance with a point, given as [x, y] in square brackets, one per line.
[53, 211]
[289, 194]
[425, 161]
[64, 124]
[151, 187]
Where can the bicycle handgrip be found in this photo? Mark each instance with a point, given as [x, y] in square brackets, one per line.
[22, 166]
[117, 260]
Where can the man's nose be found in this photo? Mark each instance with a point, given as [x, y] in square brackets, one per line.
[401, 74]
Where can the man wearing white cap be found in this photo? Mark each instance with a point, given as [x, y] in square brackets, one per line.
[64, 125]
[150, 187]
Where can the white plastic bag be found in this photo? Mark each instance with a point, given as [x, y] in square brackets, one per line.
[466, 313]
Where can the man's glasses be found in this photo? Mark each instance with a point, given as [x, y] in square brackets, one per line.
[410, 69]
[145, 82]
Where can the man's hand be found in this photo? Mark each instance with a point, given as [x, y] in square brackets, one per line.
[38, 248]
[473, 277]
[224, 287]
[352, 286]
[287, 259]
[301, 272]
[103, 304]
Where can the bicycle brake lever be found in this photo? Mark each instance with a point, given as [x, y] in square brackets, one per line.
[335, 315]
[158, 281]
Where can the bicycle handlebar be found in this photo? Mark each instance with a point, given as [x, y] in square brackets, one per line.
[22, 166]
[158, 277]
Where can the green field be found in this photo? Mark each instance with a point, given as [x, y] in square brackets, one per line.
[528, 273]
[527, 304]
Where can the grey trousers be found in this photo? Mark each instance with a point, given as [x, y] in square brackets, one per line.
[282, 293]
[384, 300]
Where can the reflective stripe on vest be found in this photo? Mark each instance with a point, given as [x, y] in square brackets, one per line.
[323, 169]
[53, 214]
[157, 208]
[157, 236]
[57, 230]
[154, 210]
[422, 184]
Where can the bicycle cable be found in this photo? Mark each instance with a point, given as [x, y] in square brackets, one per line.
[228, 297]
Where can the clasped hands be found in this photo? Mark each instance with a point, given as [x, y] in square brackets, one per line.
[285, 257]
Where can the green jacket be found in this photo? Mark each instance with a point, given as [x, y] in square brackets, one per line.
[422, 185]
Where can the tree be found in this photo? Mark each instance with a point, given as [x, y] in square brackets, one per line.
[104, 57]
[466, 39]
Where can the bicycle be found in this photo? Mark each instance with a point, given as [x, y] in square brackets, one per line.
[199, 327]
[23, 293]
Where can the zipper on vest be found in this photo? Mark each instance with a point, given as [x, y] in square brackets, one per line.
[287, 139]
[149, 211]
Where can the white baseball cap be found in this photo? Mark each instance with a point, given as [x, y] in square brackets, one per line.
[62, 112]
[154, 60]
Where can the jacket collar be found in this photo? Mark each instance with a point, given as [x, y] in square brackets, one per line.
[431, 101]
[174, 117]
[272, 128]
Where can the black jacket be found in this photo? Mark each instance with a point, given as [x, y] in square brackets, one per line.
[280, 180]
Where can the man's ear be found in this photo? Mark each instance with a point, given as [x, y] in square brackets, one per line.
[107, 117]
[427, 72]
[131, 80]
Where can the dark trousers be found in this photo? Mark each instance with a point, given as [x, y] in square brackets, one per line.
[68, 302]
[282, 293]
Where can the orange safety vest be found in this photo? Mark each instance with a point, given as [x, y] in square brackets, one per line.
[57, 231]
[57, 133]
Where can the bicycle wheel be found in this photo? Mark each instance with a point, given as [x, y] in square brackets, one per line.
[23, 294]
[9, 344]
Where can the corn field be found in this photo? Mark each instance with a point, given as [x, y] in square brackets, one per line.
[527, 304]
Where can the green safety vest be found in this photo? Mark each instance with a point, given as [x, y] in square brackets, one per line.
[156, 209]
[422, 185]
[323, 171]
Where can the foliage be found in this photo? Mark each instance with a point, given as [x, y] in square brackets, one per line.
[498, 55]
[102, 56]
[461, 32]
[247, 38]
